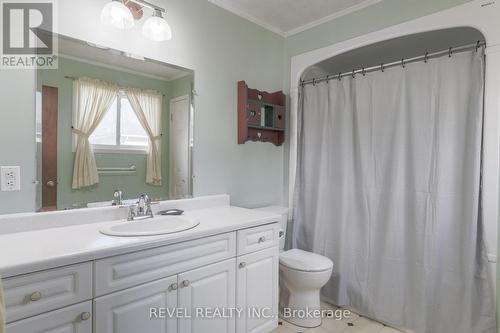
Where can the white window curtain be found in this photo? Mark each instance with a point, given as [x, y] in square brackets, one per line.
[91, 100]
[388, 187]
[147, 106]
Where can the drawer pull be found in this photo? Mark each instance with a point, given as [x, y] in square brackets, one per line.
[36, 296]
[173, 286]
[262, 239]
[243, 264]
[185, 283]
[85, 316]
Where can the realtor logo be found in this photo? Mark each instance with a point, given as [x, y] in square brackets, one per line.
[27, 34]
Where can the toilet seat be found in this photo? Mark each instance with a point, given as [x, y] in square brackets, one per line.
[305, 261]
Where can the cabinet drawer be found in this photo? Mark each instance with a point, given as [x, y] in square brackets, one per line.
[120, 272]
[258, 238]
[75, 319]
[32, 294]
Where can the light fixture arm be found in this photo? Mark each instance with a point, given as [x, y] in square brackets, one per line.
[149, 5]
[122, 14]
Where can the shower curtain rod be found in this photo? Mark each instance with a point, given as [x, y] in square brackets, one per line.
[401, 62]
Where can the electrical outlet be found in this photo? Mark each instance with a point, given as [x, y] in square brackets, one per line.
[10, 178]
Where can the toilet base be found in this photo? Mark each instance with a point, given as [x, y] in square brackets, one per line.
[298, 308]
[299, 301]
[302, 323]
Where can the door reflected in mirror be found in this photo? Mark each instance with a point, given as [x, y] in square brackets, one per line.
[110, 123]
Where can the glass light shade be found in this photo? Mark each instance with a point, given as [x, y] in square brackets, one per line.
[157, 29]
[117, 15]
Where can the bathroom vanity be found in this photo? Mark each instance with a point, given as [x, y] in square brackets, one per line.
[76, 279]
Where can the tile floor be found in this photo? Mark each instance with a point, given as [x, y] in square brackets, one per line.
[354, 324]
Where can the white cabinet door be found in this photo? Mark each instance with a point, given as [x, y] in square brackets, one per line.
[72, 319]
[138, 309]
[257, 291]
[203, 292]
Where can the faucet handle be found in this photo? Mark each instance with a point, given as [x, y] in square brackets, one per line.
[144, 198]
[118, 198]
[131, 213]
[149, 211]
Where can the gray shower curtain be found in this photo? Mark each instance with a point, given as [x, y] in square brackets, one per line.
[388, 187]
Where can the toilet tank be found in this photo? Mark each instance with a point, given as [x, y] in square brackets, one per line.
[283, 211]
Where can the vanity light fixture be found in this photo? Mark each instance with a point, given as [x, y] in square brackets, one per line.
[116, 14]
[157, 28]
[122, 14]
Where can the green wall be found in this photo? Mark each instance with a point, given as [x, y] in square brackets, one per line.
[222, 49]
[131, 185]
[376, 17]
[181, 87]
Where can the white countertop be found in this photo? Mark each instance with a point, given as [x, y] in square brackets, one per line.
[29, 251]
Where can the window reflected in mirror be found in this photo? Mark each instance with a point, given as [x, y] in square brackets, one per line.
[108, 122]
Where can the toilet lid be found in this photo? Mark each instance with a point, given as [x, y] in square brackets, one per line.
[305, 261]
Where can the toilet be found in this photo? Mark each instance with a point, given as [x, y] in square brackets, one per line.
[302, 274]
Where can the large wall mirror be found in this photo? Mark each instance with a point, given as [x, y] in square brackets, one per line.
[111, 126]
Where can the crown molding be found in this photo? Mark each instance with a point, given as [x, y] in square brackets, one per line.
[343, 12]
[227, 5]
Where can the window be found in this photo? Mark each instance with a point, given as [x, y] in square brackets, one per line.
[120, 129]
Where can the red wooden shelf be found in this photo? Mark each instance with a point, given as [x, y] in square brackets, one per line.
[261, 115]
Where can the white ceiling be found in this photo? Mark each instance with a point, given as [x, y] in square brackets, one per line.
[288, 17]
[105, 57]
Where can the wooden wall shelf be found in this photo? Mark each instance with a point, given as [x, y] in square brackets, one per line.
[261, 115]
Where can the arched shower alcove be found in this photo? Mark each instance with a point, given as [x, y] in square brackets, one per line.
[459, 25]
[465, 24]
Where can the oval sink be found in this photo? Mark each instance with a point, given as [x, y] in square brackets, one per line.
[159, 225]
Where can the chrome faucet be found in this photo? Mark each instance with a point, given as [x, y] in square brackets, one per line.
[118, 198]
[142, 210]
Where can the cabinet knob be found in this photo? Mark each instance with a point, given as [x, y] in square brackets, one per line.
[242, 264]
[173, 286]
[36, 296]
[185, 283]
[262, 239]
[85, 316]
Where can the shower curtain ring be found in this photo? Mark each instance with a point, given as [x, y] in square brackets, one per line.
[382, 67]
[363, 71]
[426, 57]
[403, 62]
[478, 44]
[328, 79]
[340, 77]
[314, 81]
[450, 52]
[353, 74]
